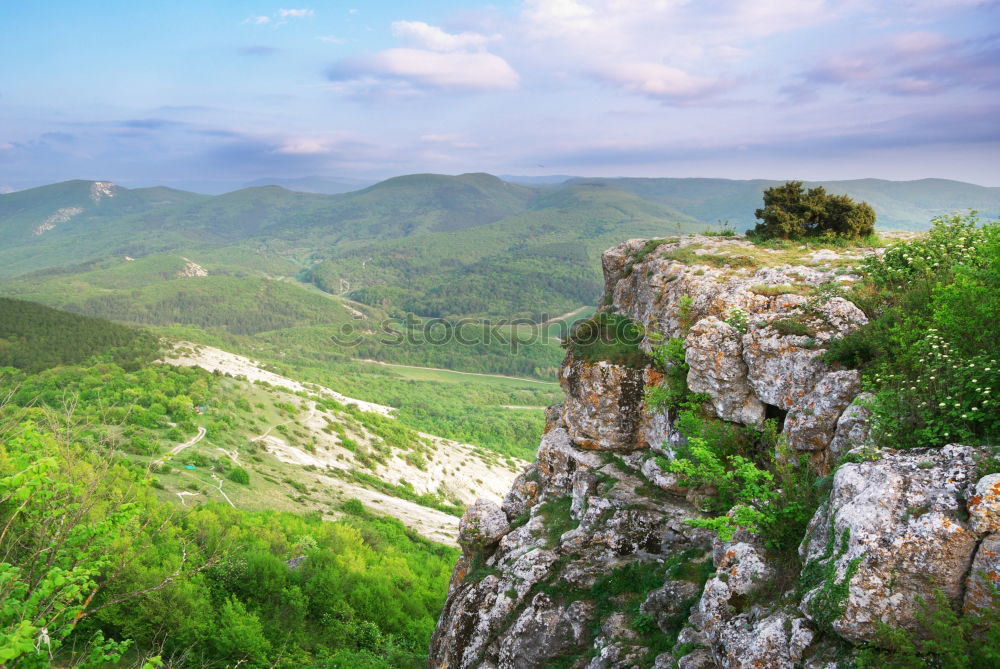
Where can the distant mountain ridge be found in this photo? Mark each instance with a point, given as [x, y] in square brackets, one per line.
[436, 245]
[907, 205]
[315, 184]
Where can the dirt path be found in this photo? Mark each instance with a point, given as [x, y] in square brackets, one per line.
[564, 316]
[454, 371]
[187, 444]
[190, 442]
[221, 492]
[312, 413]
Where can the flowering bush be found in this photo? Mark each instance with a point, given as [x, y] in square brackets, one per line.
[950, 398]
[929, 352]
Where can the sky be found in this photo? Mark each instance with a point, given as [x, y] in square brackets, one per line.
[211, 95]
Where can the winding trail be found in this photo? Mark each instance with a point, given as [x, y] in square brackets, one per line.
[187, 444]
[190, 442]
[221, 492]
[564, 316]
[312, 413]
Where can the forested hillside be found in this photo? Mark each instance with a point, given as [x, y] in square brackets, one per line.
[214, 553]
[34, 337]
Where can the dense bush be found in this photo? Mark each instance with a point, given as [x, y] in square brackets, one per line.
[930, 351]
[790, 212]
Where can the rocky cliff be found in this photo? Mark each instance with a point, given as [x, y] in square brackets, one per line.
[596, 557]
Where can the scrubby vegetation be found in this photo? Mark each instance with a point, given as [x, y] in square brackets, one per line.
[607, 337]
[931, 349]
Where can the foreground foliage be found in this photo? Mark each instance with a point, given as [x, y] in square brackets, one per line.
[95, 569]
[930, 351]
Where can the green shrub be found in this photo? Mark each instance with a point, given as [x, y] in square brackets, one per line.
[789, 212]
[238, 475]
[607, 337]
[929, 352]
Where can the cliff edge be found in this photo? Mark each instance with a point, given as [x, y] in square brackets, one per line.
[608, 554]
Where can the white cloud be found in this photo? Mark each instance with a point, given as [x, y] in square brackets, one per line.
[305, 146]
[294, 13]
[258, 20]
[659, 81]
[425, 36]
[449, 71]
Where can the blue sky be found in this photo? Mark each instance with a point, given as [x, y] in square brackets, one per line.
[213, 94]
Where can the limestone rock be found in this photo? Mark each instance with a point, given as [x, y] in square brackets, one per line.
[780, 369]
[852, 427]
[544, 631]
[893, 530]
[714, 354]
[984, 575]
[604, 404]
[558, 459]
[811, 425]
[984, 507]
[777, 641]
[667, 604]
[523, 493]
[482, 525]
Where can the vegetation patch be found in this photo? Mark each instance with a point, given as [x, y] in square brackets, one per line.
[773, 290]
[931, 348]
[607, 337]
[794, 326]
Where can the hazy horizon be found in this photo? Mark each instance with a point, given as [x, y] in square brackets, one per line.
[193, 94]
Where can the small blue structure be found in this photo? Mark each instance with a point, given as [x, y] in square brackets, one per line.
[189, 467]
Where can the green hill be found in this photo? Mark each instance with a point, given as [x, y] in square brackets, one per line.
[35, 337]
[544, 261]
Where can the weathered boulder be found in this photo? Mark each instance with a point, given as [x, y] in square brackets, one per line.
[894, 530]
[742, 636]
[523, 493]
[852, 428]
[780, 368]
[811, 424]
[713, 351]
[558, 459]
[984, 576]
[783, 366]
[984, 507]
[777, 641]
[604, 404]
[544, 631]
[483, 524]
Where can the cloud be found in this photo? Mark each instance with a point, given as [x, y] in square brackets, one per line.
[407, 71]
[909, 64]
[295, 13]
[432, 38]
[257, 20]
[660, 81]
